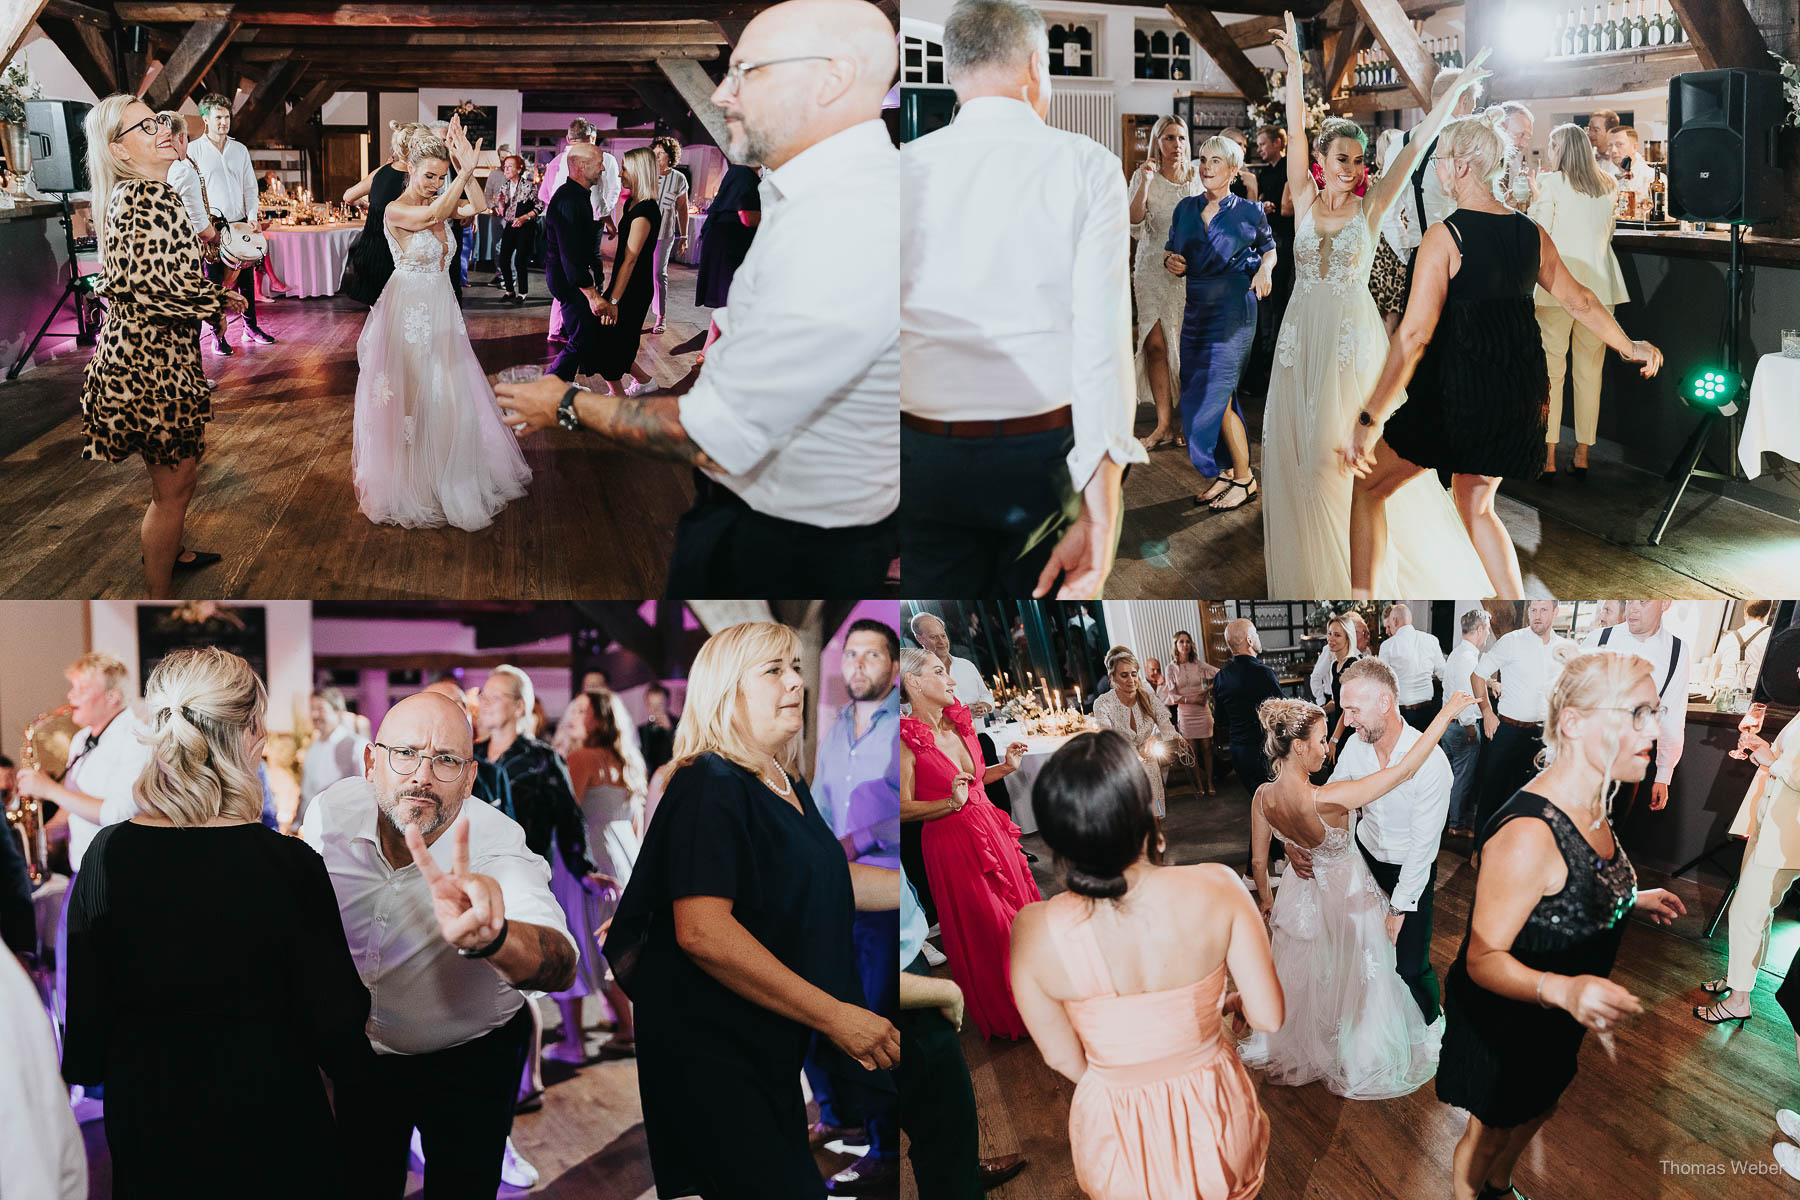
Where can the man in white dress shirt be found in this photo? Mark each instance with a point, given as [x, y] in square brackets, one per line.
[791, 425]
[426, 884]
[1746, 644]
[1426, 202]
[1462, 742]
[336, 752]
[1642, 634]
[971, 689]
[184, 177]
[1527, 661]
[1399, 833]
[1016, 394]
[1416, 660]
[1629, 167]
[230, 178]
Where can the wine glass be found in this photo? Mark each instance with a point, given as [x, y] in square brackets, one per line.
[1749, 726]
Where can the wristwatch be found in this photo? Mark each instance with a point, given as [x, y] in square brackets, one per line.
[1394, 912]
[1363, 418]
[565, 410]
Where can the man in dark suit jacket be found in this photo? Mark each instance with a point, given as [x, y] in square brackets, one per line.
[569, 269]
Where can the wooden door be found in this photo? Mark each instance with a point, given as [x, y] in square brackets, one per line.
[342, 154]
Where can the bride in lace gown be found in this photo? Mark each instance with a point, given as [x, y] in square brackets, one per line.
[429, 447]
[1327, 358]
[1351, 1022]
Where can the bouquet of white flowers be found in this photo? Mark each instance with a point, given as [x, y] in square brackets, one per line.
[1790, 87]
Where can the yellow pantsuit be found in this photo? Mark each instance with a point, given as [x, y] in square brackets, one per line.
[1556, 324]
[1771, 859]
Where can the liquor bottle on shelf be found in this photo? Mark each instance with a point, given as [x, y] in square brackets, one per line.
[1582, 36]
[1609, 33]
[1653, 32]
[1570, 25]
[1672, 30]
[1456, 54]
[1640, 29]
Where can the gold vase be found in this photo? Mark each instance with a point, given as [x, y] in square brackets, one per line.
[17, 148]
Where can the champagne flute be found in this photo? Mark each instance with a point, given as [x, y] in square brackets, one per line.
[1748, 727]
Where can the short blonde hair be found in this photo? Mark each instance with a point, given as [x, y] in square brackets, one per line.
[204, 702]
[914, 661]
[527, 721]
[639, 168]
[1594, 683]
[709, 722]
[1477, 141]
[1225, 148]
[108, 668]
[425, 146]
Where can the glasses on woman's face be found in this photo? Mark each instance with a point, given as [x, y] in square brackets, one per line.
[1644, 716]
[446, 768]
[149, 125]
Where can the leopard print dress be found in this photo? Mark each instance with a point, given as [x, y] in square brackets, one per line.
[145, 392]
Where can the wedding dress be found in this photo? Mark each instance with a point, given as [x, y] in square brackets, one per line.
[1327, 358]
[1351, 1021]
[429, 447]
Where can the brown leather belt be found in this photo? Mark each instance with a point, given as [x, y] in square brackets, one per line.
[1411, 707]
[1534, 726]
[1056, 418]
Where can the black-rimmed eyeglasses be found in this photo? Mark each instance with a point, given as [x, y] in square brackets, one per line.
[147, 125]
[446, 768]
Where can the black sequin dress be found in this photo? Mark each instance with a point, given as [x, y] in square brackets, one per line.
[1508, 1061]
[1479, 403]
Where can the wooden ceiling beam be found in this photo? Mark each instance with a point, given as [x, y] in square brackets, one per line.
[86, 47]
[299, 12]
[1724, 34]
[696, 87]
[309, 104]
[671, 33]
[1205, 29]
[16, 19]
[353, 54]
[1349, 45]
[199, 47]
[1392, 27]
[99, 18]
[267, 102]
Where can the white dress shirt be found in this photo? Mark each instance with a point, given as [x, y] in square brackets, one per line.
[1015, 293]
[799, 398]
[1657, 649]
[1320, 679]
[328, 760]
[1527, 667]
[971, 688]
[1638, 178]
[1581, 227]
[605, 192]
[1416, 659]
[1459, 667]
[185, 179]
[44, 1152]
[109, 773]
[1404, 825]
[423, 995]
[554, 176]
[230, 178]
[1755, 643]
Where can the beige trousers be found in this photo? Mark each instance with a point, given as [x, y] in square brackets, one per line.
[1759, 891]
[1558, 328]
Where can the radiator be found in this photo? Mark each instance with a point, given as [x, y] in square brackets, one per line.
[1095, 114]
[1148, 626]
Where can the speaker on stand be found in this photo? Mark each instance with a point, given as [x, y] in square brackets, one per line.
[58, 140]
[1724, 168]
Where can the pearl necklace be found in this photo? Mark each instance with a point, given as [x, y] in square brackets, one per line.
[787, 786]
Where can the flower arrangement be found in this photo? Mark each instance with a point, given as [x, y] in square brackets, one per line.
[1790, 87]
[16, 87]
[1272, 109]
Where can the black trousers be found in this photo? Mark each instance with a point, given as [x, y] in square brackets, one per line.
[1508, 763]
[991, 540]
[912, 861]
[1412, 952]
[1248, 760]
[461, 1102]
[725, 548]
[246, 284]
[1421, 716]
[513, 261]
[937, 1104]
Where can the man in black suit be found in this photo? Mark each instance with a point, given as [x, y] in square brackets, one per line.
[569, 268]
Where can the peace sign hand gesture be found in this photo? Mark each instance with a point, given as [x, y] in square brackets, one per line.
[470, 908]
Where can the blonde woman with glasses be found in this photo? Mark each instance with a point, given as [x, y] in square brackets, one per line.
[144, 392]
[215, 1045]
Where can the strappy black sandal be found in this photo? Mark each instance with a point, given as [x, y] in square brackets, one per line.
[1718, 1015]
[1716, 987]
[1249, 488]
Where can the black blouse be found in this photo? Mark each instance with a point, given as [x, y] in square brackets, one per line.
[543, 801]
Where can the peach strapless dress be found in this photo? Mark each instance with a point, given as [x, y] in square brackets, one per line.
[1166, 1111]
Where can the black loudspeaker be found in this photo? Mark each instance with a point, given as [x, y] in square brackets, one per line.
[58, 144]
[1722, 137]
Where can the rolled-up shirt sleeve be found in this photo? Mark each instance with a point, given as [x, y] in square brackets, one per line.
[524, 879]
[1102, 380]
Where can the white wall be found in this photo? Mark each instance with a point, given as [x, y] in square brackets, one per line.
[59, 80]
[38, 638]
[289, 628]
[346, 108]
[507, 104]
[1148, 626]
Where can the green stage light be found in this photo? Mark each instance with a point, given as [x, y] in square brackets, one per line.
[1712, 388]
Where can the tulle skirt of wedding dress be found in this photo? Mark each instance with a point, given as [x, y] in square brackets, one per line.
[429, 446]
[1351, 1021]
[1327, 358]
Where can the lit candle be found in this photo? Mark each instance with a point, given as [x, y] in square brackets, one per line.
[1078, 697]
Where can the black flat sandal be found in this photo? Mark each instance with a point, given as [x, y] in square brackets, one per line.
[201, 559]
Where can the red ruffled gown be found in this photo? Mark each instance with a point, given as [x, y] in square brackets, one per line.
[978, 876]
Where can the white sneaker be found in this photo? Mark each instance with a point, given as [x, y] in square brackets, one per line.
[933, 956]
[1788, 1158]
[515, 1171]
[1789, 1120]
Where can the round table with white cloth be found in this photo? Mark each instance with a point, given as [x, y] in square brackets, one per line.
[310, 258]
[1772, 421]
[1018, 784]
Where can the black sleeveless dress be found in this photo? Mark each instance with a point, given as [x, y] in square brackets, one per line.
[370, 262]
[618, 343]
[1508, 1061]
[1479, 403]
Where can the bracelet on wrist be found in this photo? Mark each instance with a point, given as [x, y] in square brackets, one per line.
[491, 948]
[1542, 975]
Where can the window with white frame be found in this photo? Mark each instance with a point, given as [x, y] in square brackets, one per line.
[1074, 45]
[921, 61]
[1162, 51]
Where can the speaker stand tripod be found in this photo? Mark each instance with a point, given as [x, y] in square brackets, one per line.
[72, 290]
[1687, 463]
[1711, 855]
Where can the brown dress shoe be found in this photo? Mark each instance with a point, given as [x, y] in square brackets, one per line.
[996, 1171]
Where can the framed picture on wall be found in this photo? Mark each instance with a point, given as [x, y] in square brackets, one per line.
[479, 121]
[163, 629]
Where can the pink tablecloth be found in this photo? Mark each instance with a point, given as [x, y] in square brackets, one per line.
[310, 259]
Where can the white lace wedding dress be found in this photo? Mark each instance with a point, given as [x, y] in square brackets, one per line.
[1351, 1021]
[1327, 358]
[429, 447]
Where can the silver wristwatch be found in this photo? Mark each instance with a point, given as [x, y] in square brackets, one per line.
[565, 410]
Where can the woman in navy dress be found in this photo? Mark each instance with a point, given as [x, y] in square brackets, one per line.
[1222, 245]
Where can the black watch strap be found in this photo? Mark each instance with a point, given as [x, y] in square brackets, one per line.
[492, 948]
[565, 409]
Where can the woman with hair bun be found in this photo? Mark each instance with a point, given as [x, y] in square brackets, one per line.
[1552, 890]
[1121, 980]
[1354, 1026]
[976, 871]
[211, 1058]
[370, 262]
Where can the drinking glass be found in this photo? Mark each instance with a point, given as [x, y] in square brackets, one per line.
[1752, 723]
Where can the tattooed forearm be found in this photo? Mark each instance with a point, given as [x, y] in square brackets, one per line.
[556, 961]
[651, 425]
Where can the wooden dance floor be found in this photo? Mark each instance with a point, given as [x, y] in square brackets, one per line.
[1571, 539]
[275, 496]
[1663, 1108]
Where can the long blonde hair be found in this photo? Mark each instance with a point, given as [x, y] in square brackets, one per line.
[1120, 654]
[639, 169]
[103, 126]
[527, 721]
[1575, 159]
[203, 702]
[1594, 683]
[1156, 132]
[709, 718]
